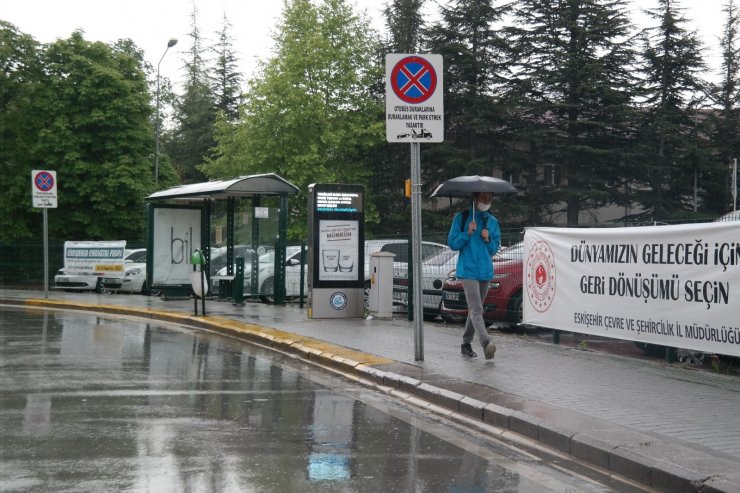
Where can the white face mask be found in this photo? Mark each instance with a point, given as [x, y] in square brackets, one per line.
[483, 207]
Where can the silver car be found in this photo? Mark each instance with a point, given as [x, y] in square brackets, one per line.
[266, 275]
[134, 277]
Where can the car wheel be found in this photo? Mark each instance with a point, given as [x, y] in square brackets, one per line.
[515, 314]
[268, 291]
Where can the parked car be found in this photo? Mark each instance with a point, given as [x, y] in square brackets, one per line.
[266, 274]
[134, 277]
[503, 301]
[85, 282]
[218, 256]
[76, 282]
[400, 248]
[434, 271]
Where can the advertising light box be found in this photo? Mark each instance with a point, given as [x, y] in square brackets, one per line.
[336, 250]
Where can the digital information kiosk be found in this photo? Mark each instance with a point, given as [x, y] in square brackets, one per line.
[336, 251]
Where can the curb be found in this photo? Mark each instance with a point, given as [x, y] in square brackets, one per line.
[651, 461]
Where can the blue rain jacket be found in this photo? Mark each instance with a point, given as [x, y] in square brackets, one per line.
[474, 260]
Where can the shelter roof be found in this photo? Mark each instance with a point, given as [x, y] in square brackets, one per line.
[243, 186]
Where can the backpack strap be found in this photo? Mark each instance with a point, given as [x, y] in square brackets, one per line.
[464, 219]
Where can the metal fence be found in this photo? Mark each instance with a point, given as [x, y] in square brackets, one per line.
[21, 263]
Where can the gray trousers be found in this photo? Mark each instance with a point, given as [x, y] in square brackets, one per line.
[475, 293]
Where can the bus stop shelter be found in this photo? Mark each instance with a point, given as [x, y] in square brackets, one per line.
[214, 217]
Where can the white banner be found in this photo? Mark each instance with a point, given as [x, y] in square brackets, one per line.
[176, 237]
[94, 257]
[676, 286]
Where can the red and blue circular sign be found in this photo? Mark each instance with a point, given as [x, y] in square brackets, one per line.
[413, 79]
[44, 181]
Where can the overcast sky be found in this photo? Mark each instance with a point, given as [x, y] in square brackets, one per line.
[151, 23]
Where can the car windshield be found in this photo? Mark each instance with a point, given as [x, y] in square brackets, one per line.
[269, 257]
[138, 256]
[441, 258]
[514, 252]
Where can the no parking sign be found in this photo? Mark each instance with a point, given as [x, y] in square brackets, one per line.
[414, 98]
[44, 188]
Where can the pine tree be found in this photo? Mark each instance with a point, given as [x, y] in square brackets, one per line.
[391, 162]
[195, 114]
[404, 22]
[226, 78]
[570, 97]
[472, 49]
[671, 93]
[726, 122]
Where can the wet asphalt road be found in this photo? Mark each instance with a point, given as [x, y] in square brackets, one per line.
[92, 403]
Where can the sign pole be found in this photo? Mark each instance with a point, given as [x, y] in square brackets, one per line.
[44, 195]
[46, 254]
[414, 106]
[416, 251]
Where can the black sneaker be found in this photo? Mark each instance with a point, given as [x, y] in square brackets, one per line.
[467, 350]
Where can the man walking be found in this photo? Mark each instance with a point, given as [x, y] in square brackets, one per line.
[476, 235]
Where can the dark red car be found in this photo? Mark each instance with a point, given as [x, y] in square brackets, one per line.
[503, 302]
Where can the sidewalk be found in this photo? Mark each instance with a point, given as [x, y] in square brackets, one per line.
[670, 427]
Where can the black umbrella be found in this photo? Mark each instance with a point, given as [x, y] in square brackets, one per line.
[465, 186]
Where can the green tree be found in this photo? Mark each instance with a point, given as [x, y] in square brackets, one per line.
[195, 113]
[93, 129]
[226, 79]
[570, 97]
[672, 90]
[308, 116]
[20, 73]
[391, 163]
[725, 122]
[405, 24]
[472, 49]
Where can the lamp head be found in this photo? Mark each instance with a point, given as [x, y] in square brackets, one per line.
[172, 42]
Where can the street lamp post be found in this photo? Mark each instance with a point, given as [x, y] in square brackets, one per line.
[172, 42]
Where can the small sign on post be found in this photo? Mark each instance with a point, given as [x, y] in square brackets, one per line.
[44, 195]
[414, 113]
[44, 188]
[414, 98]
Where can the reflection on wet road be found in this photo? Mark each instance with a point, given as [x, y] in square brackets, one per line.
[90, 403]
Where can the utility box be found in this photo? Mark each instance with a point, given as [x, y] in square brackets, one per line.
[381, 285]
